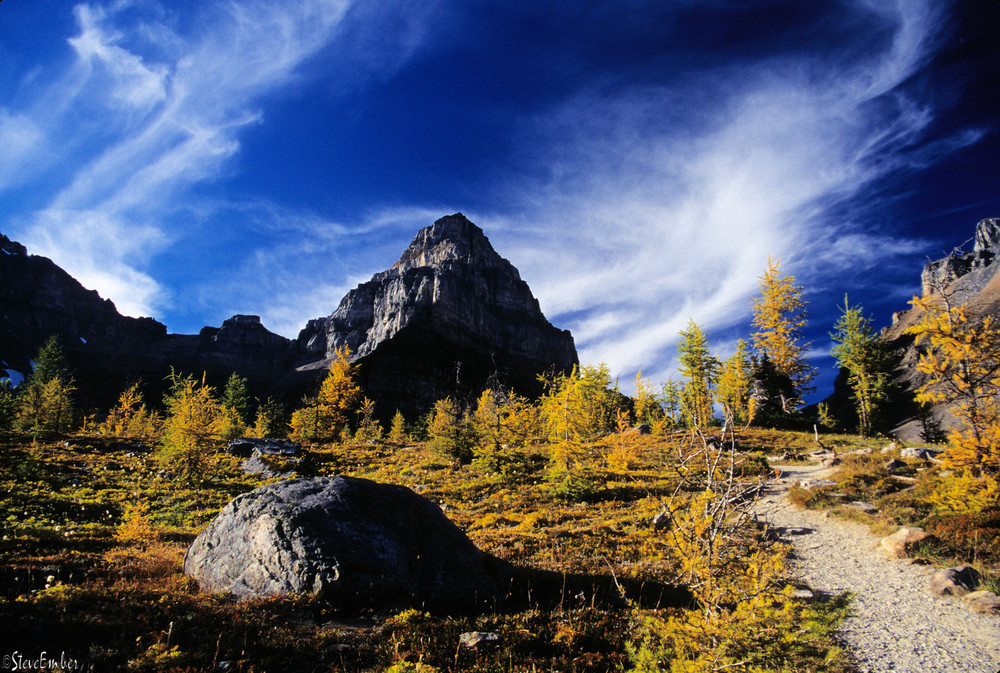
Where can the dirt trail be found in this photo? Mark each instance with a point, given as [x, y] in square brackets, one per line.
[895, 625]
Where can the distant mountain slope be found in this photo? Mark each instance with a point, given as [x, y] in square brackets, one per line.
[448, 316]
[964, 277]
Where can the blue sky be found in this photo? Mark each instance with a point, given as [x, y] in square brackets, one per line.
[637, 161]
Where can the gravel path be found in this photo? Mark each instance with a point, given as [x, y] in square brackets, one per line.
[895, 625]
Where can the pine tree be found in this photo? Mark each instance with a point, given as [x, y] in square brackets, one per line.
[235, 397]
[733, 388]
[779, 316]
[397, 433]
[700, 370]
[648, 405]
[193, 423]
[859, 351]
[962, 359]
[338, 395]
[46, 403]
[270, 422]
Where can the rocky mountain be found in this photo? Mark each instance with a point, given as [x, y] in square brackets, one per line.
[106, 350]
[971, 278]
[448, 316]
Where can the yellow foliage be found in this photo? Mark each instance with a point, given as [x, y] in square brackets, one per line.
[962, 360]
[130, 418]
[337, 395]
[369, 429]
[397, 433]
[136, 527]
[779, 316]
[193, 423]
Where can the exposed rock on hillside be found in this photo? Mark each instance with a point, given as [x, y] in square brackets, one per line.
[355, 543]
[449, 314]
[964, 277]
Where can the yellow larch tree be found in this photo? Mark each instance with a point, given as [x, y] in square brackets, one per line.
[779, 316]
[962, 359]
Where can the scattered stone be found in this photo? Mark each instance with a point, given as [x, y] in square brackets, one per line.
[661, 522]
[920, 453]
[862, 506]
[260, 455]
[900, 543]
[895, 464]
[985, 602]
[803, 594]
[809, 483]
[890, 448]
[864, 451]
[956, 581]
[830, 462]
[354, 543]
[245, 447]
[474, 639]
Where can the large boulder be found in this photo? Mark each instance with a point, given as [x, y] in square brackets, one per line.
[355, 543]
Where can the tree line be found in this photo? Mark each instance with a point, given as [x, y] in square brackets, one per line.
[763, 383]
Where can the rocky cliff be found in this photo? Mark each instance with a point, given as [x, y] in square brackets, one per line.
[450, 314]
[971, 278]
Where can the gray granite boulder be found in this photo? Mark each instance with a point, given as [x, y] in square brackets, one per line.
[355, 543]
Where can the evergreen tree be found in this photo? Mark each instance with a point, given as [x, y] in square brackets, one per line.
[270, 422]
[8, 405]
[700, 370]
[236, 397]
[397, 433]
[194, 420]
[779, 316]
[733, 389]
[46, 402]
[859, 351]
[130, 418]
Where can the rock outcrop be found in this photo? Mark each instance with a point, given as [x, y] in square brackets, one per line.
[448, 317]
[354, 543]
[450, 314]
[971, 278]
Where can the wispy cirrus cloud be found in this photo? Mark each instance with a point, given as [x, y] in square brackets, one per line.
[663, 203]
[150, 106]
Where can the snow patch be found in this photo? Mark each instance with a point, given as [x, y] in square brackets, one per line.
[83, 340]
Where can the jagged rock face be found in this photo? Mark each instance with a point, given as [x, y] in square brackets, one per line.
[966, 274]
[448, 316]
[452, 296]
[107, 350]
[972, 278]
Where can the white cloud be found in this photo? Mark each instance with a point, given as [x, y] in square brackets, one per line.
[655, 212]
[166, 126]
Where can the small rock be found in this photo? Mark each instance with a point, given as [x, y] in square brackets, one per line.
[976, 595]
[475, 639]
[810, 483]
[890, 448]
[920, 453]
[803, 594]
[956, 581]
[661, 522]
[899, 544]
[862, 452]
[989, 605]
[830, 462]
[862, 506]
[895, 464]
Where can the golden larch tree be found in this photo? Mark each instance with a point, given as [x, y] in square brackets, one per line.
[779, 316]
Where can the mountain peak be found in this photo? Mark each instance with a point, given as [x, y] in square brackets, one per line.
[451, 238]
